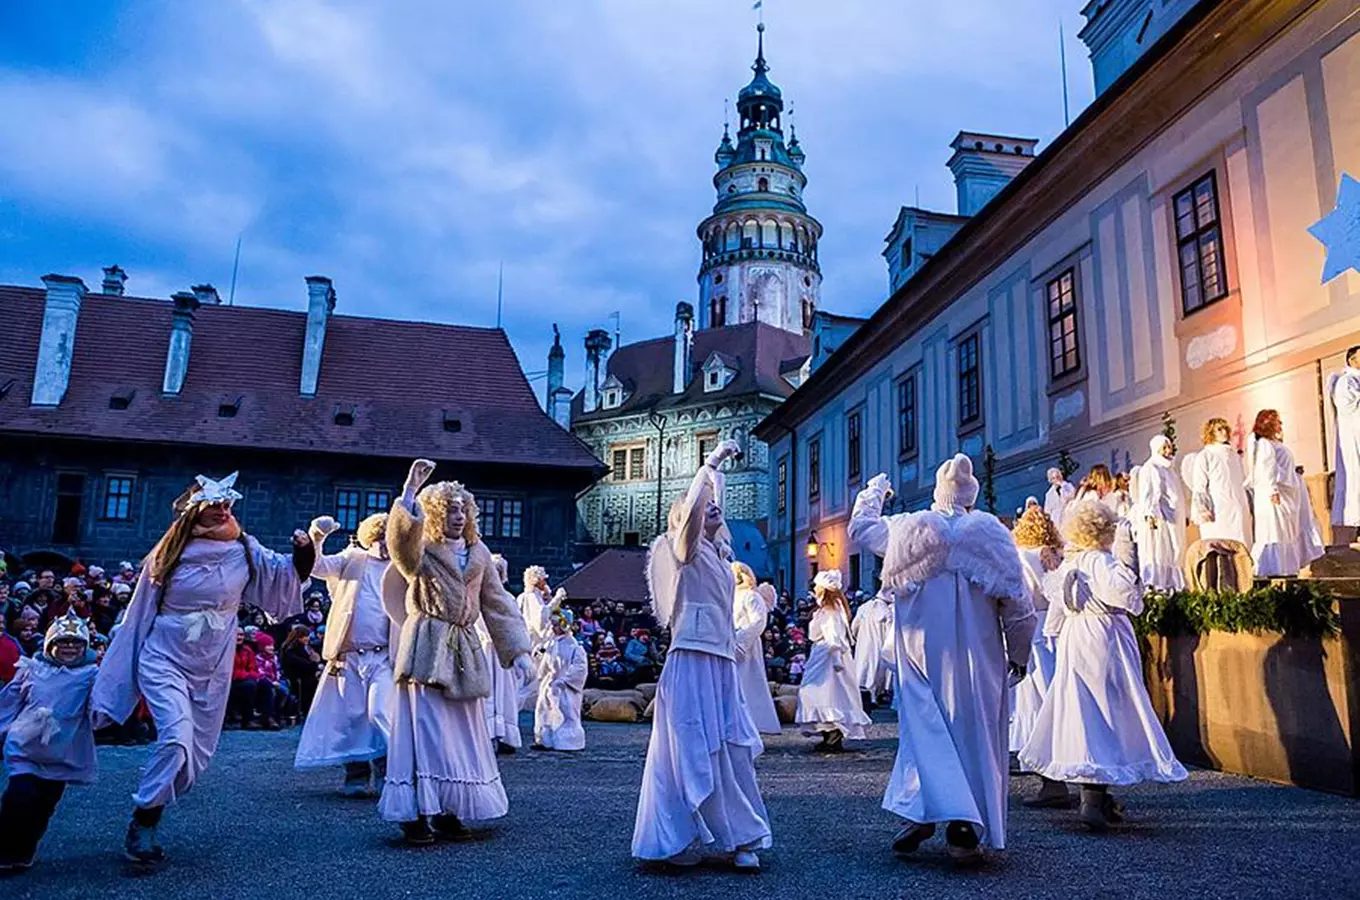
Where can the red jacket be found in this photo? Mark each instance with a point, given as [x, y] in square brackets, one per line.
[10, 652]
[245, 665]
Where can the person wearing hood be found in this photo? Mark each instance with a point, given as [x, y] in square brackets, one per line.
[961, 609]
[872, 630]
[828, 698]
[348, 723]
[1159, 516]
[176, 646]
[699, 793]
[1287, 536]
[562, 668]
[47, 736]
[750, 608]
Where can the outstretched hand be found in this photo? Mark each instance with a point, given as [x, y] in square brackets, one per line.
[324, 525]
[301, 539]
[881, 485]
[523, 665]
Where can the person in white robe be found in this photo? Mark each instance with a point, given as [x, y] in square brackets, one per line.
[1287, 536]
[348, 722]
[503, 706]
[536, 606]
[1098, 727]
[562, 669]
[1218, 495]
[750, 610]
[1159, 516]
[1060, 494]
[699, 792]
[828, 696]
[177, 643]
[1345, 393]
[441, 769]
[46, 736]
[871, 630]
[961, 609]
[1040, 547]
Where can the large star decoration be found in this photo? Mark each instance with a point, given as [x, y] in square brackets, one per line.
[1339, 232]
[210, 491]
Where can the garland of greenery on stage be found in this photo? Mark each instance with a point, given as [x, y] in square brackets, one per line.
[1295, 608]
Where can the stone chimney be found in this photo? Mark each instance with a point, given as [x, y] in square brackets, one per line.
[114, 280]
[684, 347]
[561, 407]
[181, 334]
[61, 313]
[598, 343]
[557, 358]
[207, 295]
[320, 303]
[983, 164]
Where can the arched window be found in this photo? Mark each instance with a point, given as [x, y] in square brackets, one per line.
[733, 236]
[769, 233]
[763, 185]
[787, 236]
[750, 234]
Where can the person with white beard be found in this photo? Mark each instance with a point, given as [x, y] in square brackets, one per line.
[872, 630]
[699, 792]
[1345, 393]
[348, 724]
[1218, 497]
[562, 670]
[961, 609]
[1159, 518]
[750, 610]
[1286, 536]
[828, 697]
[1060, 495]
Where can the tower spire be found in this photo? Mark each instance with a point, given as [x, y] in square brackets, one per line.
[760, 67]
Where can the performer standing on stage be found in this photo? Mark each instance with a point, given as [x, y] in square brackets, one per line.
[348, 723]
[177, 642]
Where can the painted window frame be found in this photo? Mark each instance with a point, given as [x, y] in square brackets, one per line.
[1195, 237]
[854, 444]
[1063, 315]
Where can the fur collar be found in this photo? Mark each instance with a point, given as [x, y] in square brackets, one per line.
[974, 544]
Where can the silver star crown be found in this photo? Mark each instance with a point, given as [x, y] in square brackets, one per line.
[210, 491]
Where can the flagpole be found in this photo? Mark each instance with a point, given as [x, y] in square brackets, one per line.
[1062, 55]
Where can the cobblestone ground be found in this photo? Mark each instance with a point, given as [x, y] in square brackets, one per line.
[256, 828]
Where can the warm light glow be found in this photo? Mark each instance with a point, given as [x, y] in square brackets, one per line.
[812, 546]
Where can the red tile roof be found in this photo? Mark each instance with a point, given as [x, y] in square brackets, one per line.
[616, 574]
[400, 380]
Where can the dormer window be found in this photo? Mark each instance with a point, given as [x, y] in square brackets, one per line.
[121, 399]
[717, 374]
[344, 417]
[714, 381]
[612, 394]
[612, 399]
[228, 409]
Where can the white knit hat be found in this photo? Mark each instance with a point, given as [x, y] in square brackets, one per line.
[955, 485]
[828, 579]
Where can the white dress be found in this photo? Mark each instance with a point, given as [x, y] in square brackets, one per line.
[1218, 496]
[1161, 497]
[1287, 538]
[1029, 695]
[1056, 501]
[872, 630]
[829, 695]
[533, 606]
[1345, 393]
[562, 670]
[1098, 725]
[749, 618]
[503, 706]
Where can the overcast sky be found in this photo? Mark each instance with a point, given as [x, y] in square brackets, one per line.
[407, 147]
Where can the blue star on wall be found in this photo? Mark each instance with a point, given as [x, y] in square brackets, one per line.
[1339, 231]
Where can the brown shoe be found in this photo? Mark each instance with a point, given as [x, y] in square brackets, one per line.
[912, 836]
[1052, 795]
[962, 844]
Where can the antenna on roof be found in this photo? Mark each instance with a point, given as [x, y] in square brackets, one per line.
[236, 264]
[500, 290]
[617, 326]
[1062, 57]
[918, 196]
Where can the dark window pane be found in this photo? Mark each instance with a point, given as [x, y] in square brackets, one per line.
[347, 509]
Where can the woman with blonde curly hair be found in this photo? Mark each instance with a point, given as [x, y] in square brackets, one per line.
[440, 766]
[1040, 548]
[1097, 727]
[1218, 499]
[750, 611]
[828, 698]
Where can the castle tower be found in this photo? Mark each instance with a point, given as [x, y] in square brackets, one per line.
[760, 244]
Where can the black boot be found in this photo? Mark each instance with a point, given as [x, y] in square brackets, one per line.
[356, 780]
[961, 840]
[448, 827]
[141, 846]
[417, 833]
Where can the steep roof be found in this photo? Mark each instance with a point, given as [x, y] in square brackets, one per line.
[757, 352]
[616, 574]
[400, 380]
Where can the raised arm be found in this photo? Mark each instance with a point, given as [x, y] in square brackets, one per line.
[406, 524]
[868, 528]
[706, 487]
[327, 565]
[277, 585]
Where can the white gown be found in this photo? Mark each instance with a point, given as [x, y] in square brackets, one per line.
[1161, 497]
[1218, 495]
[1029, 695]
[1345, 395]
[749, 617]
[872, 630]
[562, 670]
[1098, 725]
[503, 706]
[1287, 538]
[1056, 501]
[533, 606]
[829, 695]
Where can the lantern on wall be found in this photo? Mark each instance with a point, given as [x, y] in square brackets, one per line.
[813, 548]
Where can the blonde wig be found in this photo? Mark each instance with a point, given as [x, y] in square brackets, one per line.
[435, 501]
[1035, 529]
[1099, 479]
[534, 576]
[746, 576]
[371, 530]
[1209, 433]
[1089, 525]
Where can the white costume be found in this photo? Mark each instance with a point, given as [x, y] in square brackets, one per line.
[828, 696]
[1160, 498]
[348, 722]
[1059, 497]
[503, 706]
[1345, 394]
[699, 790]
[872, 630]
[961, 609]
[1287, 538]
[536, 610]
[1217, 495]
[1098, 725]
[1029, 695]
[45, 727]
[749, 614]
[562, 670]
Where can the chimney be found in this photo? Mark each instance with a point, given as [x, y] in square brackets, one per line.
[561, 407]
[557, 358]
[684, 346]
[181, 334]
[320, 303]
[597, 345]
[206, 294]
[983, 164]
[61, 313]
[114, 280]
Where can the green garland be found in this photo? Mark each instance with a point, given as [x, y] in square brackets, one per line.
[1293, 608]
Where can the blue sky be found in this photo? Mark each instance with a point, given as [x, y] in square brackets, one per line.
[407, 148]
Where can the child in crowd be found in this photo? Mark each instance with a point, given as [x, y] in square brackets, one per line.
[47, 735]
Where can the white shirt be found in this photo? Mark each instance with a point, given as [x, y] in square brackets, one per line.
[370, 626]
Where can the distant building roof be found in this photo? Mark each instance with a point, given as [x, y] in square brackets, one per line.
[448, 392]
[616, 574]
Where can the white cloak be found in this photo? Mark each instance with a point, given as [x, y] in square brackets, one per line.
[1056, 501]
[1161, 542]
[961, 609]
[45, 727]
[562, 670]
[749, 618]
[503, 706]
[829, 694]
[1029, 695]
[1287, 538]
[1345, 395]
[534, 608]
[872, 630]
[1218, 496]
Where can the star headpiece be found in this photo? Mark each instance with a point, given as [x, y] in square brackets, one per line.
[68, 627]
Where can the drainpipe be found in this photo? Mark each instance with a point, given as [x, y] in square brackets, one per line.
[659, 423]
[792, 505]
